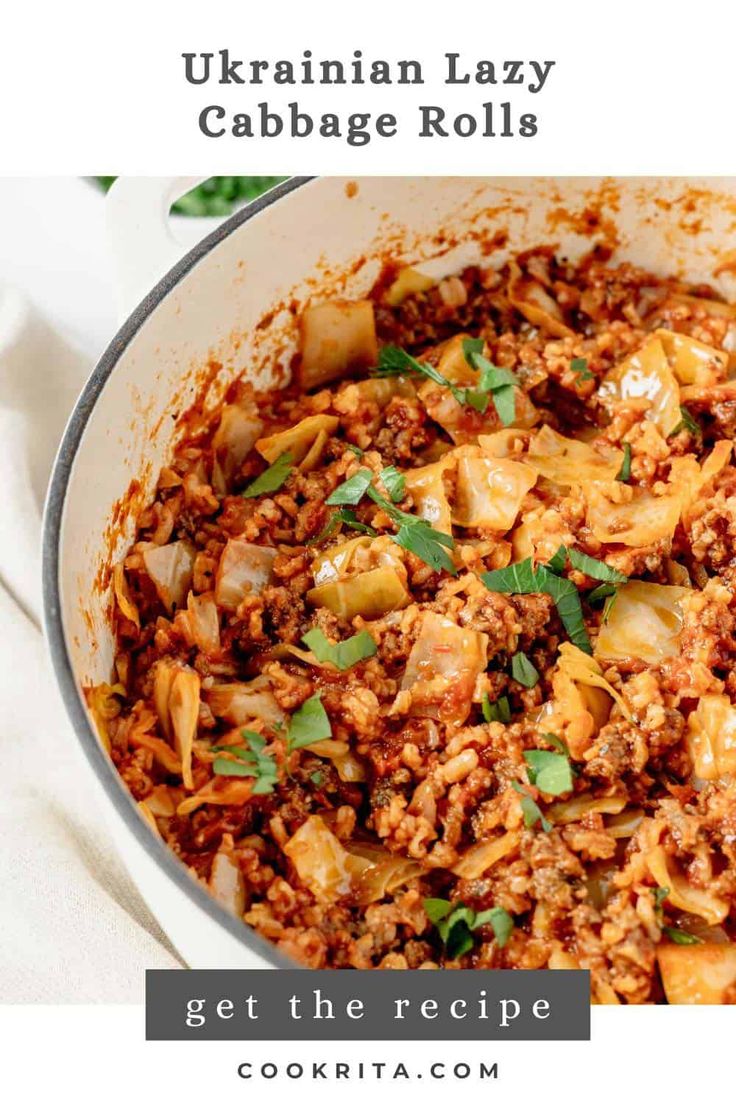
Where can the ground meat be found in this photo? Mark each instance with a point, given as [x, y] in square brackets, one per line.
[342, 693]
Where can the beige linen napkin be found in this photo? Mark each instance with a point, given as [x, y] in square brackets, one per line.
[73, 927]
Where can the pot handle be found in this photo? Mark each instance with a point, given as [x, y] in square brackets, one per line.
[143, 246]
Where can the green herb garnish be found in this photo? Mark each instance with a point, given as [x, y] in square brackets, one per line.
[394, 482]
[343, 655]
[345, 517]
[272, 478]
[596, 569]
[524, 671]
[309, 724]
[530, 809]
[660, 893]
[417, 535]
[455, 923]
[549, 771]
[625, 470]
[356, 451]
[250, 762]
[352, 490]
[686, 422]
[499, 710]
[685, 939]
[580, 367]
[600, 593]
[524, 578]
[556, 742]
[316, 778]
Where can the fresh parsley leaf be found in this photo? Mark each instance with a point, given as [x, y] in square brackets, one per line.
[600, 593]
[580, 367]
[308, 724]
[660, 894]
[549, 771]
[556, 742]
[357, 451]
[596, 569]
[344, 516]
[624, 473]
[523, 670]
[686, 422]
[500, 920]
[343, 655]
[530, 809]
[524, 578]
[250, 762]
[455, 923]
[685, 939]
[316, 778]
[437, 909]
[558, 561]
[394, 482]
[272, 478]
[499, 710]
[352, 490]
[417, 535]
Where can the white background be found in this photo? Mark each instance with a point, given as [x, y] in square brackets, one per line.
[638, 88]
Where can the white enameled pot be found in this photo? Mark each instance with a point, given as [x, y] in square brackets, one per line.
[233, 302]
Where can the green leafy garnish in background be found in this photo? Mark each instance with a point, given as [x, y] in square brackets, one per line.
[218, 196]
[272, 478]
[343, 655]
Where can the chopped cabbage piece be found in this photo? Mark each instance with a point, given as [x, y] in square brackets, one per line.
[646, 375]
[444, 669]
[427, 488]
[226, 882]
[693, 361]
[481, 856]
[409, 281]
[234, 437]
[698, 974]
[620, 514]
[682, 895]
[489, 492]
[170, 567]
[537, 306]
[125, 603]
[336, 338]
[298, 439]
[644, 623]
[371, 594]
[711, 737]
[325, 867]
[244, 568]
[239, 703]
[570, 462]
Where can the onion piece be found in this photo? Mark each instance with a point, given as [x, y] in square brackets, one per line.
[644, 623]
[298, 439]
[697, 974]
[646, 375]
[170, 567]
[711, 737]
[336, 338]
[681, 894]
[371, 594]
[489, 492]
[244, 568]
[322, 863]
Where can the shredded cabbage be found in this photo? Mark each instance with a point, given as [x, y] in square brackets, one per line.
[336, 338]
[620, 514]
[644, 622]
[444, 669]
[681, 894]
[324, 866]
[234, 437]
[371, 594]
[530, 299]
[298, 439]
[646, 376]
[489, 492]
[170, 567]
[697, 974]
[711, 737]
[427, 488]
[570, 462]
[244, 568]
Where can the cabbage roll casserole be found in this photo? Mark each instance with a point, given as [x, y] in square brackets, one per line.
[426, 660]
